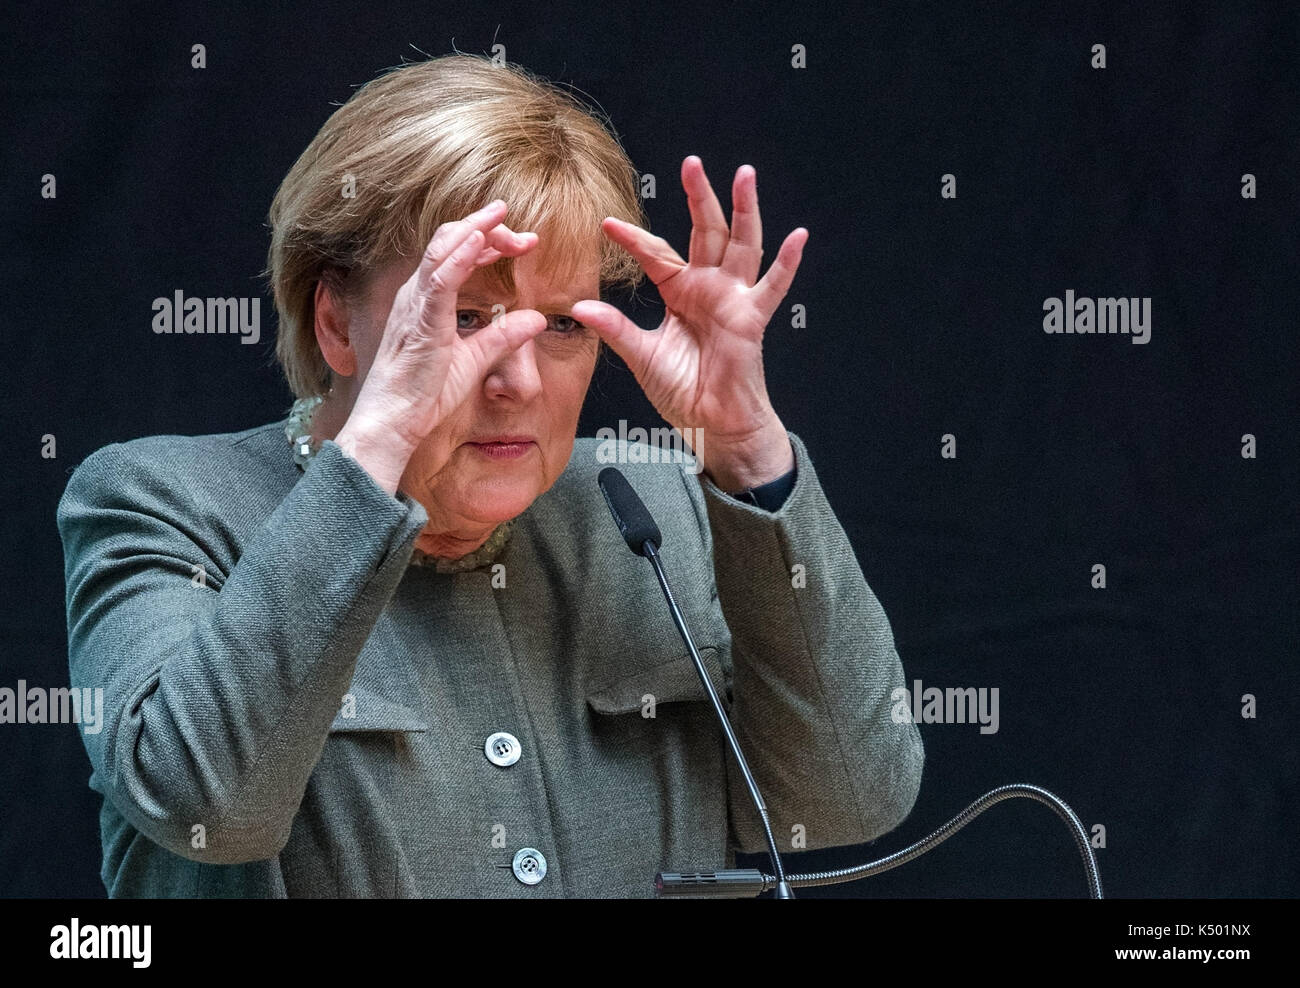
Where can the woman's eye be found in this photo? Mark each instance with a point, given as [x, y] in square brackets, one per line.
[565, 324]
[467, 319]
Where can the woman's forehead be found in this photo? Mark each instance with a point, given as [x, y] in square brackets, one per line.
[545, 275]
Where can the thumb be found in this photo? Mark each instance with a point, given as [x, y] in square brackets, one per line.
[624, 337]
[506, 333]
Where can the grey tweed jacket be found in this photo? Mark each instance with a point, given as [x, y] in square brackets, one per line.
[293, 710]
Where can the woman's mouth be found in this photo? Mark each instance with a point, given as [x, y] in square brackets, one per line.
[509, 449]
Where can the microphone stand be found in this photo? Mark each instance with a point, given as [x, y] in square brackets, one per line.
[722, 886]
[642, 536]
[736, 882]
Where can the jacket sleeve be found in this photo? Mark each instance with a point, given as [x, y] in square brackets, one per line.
[219, 692]
[813, 669]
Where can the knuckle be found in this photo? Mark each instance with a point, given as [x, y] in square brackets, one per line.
[451, 228]
[438, 282]
[425, 331]
[442, 237]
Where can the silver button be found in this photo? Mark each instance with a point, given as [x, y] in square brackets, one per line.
[529, 865]
[502, 749]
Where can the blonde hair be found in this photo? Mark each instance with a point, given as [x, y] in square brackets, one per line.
[431, 142]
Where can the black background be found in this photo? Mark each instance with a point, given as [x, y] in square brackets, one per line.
[924, 318]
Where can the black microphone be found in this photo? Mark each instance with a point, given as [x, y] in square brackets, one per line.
[630, 515]
[642, 536]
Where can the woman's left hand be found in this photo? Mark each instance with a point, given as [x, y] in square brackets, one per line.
[702, 368]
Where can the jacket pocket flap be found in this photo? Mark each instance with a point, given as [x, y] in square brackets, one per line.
[372, 712]
[673, 681]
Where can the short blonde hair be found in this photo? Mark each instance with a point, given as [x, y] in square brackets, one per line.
[431, 142]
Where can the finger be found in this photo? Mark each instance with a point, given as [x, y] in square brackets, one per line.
[774, 285]
[509, 332]
[709, 232]
[744, 253]
[438, 301]
[659, 261]
[449, 237]
[508, 243]
[504, 242]
[624, 337]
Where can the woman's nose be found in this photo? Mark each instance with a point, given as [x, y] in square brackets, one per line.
[515, 374]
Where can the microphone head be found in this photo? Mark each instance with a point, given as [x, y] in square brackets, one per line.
[630, 515]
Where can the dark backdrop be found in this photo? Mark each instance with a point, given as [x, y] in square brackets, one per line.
[924, 318]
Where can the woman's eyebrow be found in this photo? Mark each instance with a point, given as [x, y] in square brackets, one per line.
[555, 301]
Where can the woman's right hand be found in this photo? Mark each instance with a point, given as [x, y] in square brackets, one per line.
[424, 368]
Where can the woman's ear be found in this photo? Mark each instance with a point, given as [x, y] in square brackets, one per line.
[332, 326]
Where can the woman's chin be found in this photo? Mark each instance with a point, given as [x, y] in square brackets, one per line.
[497, 500]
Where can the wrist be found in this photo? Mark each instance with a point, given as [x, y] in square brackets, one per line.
[761, 459]
[382, 453]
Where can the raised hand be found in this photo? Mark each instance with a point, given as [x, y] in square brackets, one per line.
[424, 368]
[702, 368]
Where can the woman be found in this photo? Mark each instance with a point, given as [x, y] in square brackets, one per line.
[406, 653]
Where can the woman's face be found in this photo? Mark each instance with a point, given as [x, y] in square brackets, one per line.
[535, 392]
